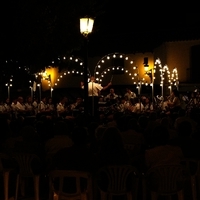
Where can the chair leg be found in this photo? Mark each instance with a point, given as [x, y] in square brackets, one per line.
[84, 196]
[129, 196]
[194, 190]
[144, 188]
[55, 196]
[154, 196]
[17, 187]
[22, 186]
[51, 192]
[36, 187]
[6, 184]
[90, 190]
[103, 196]
[181, 195]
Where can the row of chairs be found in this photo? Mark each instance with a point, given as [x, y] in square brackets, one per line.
[108, 182]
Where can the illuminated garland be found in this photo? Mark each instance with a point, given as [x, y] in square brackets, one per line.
[65, 72]
[14, 67]
[172, 77]
[100, 75]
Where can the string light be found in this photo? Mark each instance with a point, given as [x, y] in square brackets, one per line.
[165, 75]
[172, 77]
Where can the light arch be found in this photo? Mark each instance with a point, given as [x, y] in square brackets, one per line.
[172, 77]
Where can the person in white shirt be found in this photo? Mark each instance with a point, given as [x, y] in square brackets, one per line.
[111, 95]
[35, 105]
[14, 109]
[123, 105]
[2, 107]
[29, 106]
[136, 106]
[129, 94]
[20, 107]
[61, 108]
[148, 105]
[7, 105]
[42, 107]
[94, 90]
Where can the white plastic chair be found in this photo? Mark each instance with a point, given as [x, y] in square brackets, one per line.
[61, 191]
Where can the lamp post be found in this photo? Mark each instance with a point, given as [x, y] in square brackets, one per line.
[31, 88]
[51, 91]
[86, 26]
[31, 91]
[150, 73]
[8, 85]
[39, 85]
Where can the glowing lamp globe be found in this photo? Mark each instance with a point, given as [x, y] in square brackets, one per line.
[86, 25]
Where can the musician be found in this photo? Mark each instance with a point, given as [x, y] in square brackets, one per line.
[174, 102]
[20, 107]
[29, 106]
[8, 108]
[112, 95]
[61, 108]
[138, 106]
[148, 105]
[77, 107]
[193, 102]
[123, 105]
[129, 94]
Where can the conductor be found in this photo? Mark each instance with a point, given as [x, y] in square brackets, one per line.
[93, 95]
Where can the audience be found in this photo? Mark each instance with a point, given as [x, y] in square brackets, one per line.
[190, 146]
[161, 151]
[76, 157]
[84, 143]
[60, 140]
[112, 151]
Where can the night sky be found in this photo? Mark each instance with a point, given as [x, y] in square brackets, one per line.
[35, 32]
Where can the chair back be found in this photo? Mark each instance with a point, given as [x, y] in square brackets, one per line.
[166, 179]
[192, 165]
[4, 157]
[120, 179]
[24, 161]
[59, 178]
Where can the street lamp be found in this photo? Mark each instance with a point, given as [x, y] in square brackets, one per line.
[86, 26]
[8, 85]
[31, 87]
[39, 85]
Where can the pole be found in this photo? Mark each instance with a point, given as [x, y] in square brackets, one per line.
[8, 91]
[51, 91]
[86, 77]
[170, 91]
[139, 96]
[31, 92]
[152, 89]
[40, 91]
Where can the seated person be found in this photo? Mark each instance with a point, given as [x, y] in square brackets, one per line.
[161, 151]
[174, 102]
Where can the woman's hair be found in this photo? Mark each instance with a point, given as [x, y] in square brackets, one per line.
[159, 135]
[176, 93]
[111, 140]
